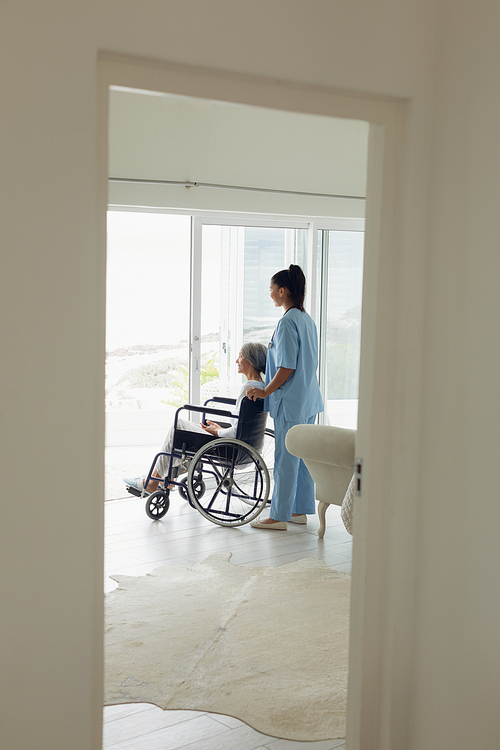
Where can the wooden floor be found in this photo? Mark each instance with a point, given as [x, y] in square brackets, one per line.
[135, 545]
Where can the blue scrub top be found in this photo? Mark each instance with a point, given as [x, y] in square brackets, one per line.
[295, 346]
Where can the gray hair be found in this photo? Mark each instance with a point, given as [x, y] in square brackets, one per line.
[256, 354]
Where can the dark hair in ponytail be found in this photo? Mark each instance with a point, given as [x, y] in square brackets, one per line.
[293, 279]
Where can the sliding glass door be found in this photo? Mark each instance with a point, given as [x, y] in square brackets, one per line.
[233, 264]
[184, 292]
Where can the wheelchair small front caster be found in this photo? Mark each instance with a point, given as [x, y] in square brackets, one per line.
[198, 489]
[157, 504]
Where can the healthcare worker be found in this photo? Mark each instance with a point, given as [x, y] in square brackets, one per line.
[292, 396]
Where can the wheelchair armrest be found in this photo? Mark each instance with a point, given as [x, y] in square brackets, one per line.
[202, 410]
[221, 400]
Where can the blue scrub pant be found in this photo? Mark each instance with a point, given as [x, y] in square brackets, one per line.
[293, 485]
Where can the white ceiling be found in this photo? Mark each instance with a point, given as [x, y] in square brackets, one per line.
[178, 138]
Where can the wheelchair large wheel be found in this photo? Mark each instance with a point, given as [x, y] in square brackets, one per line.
[236, 480]
[157, 504]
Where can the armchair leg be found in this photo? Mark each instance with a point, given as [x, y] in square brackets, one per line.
[322, 519]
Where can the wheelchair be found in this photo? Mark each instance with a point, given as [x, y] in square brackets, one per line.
[228, 480]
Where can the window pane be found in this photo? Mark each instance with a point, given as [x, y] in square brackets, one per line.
[237, 265]
[147, 310]
[343, 331]
[264, 256]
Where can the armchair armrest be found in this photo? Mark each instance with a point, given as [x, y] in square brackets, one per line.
[328, 453]
[323, 444]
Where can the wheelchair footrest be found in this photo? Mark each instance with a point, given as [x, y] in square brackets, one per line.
[134, 491]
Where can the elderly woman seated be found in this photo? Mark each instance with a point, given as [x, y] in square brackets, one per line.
[252, 364]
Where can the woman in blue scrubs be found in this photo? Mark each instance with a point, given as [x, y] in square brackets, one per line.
[292, 396]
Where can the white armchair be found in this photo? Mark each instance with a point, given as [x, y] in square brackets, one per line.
[328, 453]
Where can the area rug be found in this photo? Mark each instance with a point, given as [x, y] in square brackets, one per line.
[266, 645]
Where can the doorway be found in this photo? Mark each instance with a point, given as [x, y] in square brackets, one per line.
[378, 302]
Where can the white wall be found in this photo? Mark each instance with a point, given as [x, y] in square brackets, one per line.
[181, 138]
[442, 422]
[457, 600]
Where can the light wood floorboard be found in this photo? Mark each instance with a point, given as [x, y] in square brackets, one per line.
[134, 545]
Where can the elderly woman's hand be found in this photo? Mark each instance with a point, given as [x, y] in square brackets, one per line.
[211, 427]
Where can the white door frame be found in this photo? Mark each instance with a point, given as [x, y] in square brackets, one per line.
[373, 698]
